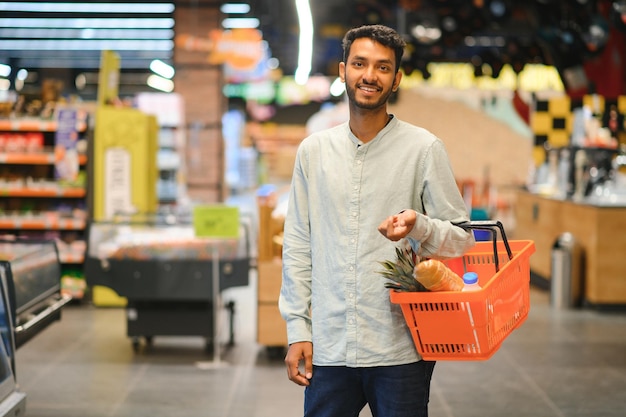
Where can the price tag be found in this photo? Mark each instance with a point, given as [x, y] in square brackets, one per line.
[216, 221]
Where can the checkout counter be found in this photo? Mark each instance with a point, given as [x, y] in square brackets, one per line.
[594, 213]
[600, 229]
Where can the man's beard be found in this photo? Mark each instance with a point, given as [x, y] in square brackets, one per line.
[367, 105]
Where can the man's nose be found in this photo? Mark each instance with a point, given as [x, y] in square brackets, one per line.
[370, 75]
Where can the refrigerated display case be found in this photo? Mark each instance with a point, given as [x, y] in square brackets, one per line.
[166, 274]
[12, 399]
[33, 273]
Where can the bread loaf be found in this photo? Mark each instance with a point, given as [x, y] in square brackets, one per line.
[434, 275]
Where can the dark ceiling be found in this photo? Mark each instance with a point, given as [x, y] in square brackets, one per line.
[569, 34]
[565, 33]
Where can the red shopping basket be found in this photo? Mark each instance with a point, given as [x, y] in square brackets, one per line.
[454, 325]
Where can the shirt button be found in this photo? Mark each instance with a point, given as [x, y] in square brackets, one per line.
[356, 187]
[350, 295]
[359, 162]
[352, 240]
[351, 268]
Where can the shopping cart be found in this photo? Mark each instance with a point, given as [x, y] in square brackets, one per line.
[454, 325]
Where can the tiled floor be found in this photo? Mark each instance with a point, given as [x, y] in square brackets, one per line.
[559, 363]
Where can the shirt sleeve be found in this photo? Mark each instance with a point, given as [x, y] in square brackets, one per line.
[295, 294]
[443, 206]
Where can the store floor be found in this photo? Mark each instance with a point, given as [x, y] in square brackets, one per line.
[559, 363]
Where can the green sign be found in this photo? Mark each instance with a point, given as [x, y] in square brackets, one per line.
[216, 221]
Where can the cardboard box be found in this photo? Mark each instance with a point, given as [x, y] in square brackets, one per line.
[270, 275]
[271, 328]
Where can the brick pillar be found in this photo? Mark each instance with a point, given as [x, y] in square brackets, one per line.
[200, 85]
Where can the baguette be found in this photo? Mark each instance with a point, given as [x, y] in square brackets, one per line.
[434, 275]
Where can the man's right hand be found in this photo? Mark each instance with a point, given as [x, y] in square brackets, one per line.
[297, 353]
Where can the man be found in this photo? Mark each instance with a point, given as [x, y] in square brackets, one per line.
[352, 343]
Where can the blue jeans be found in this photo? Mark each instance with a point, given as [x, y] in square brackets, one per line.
[390, 391]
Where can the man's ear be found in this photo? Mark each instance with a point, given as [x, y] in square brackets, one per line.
[396, 81]
[342, 71]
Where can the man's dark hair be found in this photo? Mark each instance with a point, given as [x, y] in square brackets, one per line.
[379, 33]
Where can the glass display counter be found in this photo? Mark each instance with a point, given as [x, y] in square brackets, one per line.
[166, 273]
[12, 399]
[33, 272]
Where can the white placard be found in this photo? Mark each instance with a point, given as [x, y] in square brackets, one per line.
[117, 182]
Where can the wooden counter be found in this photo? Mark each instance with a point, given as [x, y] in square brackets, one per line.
[600, 231]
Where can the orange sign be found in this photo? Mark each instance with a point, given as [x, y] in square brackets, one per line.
[242, 49]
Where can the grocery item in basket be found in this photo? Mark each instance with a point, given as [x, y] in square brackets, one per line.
[470, 281]
[400, 272]
[434, 275]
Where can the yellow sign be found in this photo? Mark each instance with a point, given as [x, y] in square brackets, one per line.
[216, 221]
[109, 77]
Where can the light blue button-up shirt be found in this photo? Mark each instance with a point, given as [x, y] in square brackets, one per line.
[342, 188]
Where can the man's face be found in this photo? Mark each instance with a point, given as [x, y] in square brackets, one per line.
[369, 73]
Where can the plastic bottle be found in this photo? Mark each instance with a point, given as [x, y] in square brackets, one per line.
[470, 279]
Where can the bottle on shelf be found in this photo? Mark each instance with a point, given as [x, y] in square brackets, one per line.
[470, 281]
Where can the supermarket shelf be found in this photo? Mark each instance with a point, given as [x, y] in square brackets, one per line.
[41, 224]
[40, 158]
[71, 258]
[38, 125]
[33, 192]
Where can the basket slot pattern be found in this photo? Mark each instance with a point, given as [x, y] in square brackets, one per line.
[435, 306]
[445, 348]
[416, 308]
[484, 259]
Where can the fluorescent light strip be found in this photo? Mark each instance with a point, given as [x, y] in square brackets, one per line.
[46, 7]
[235, 8]
[5, 70]
[82, 62]
[81, 23]
[161, 84]
[240, 23]
[162, 69]
[77, 45]
[87, 33]
[305, 46]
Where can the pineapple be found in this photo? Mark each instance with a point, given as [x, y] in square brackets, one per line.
[401, 272]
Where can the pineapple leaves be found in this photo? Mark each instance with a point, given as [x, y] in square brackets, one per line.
[400, 272]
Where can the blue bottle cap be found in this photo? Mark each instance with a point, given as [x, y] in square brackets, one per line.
[470, 277]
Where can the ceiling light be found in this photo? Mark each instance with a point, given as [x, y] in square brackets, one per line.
[91, 23]
[240, 23]
[160, 83]
[305, 44]
[86, 7]
[425, 28]
[5, 70]
[161, 68]
[596, 35]
[235, 8]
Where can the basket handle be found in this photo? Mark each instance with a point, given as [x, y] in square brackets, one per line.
[492, 227]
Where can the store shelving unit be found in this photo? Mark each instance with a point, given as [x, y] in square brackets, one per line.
[36, 201]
